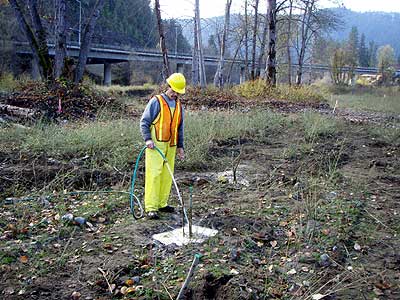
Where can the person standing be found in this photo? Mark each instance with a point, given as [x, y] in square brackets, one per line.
[161, 126]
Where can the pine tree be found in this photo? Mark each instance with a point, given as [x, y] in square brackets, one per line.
[352, 47]
[363, 52]
[373, 48]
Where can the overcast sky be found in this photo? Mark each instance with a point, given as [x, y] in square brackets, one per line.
[212, 8]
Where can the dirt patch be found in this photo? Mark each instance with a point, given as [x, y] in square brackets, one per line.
[294, 231]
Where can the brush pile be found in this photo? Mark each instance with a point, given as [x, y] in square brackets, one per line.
[60, 101]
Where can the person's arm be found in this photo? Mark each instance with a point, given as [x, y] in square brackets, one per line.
[150, 113]
[180, 145]
[181, 130]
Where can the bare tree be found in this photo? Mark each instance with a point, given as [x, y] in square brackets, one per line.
[255, 29]
[86, 40]
[195, 57]
[246, 39]
[61, 38]
[202, 69]
[163, 47]
[288, 41]
[36, 36]
[271, 59]
[219, 74]
[312, 21]
[261, 55]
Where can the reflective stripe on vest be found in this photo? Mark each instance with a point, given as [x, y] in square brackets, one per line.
[166, 125]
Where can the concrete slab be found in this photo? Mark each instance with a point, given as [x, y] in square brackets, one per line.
[200, 234]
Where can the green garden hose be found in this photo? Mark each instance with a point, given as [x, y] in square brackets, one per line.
[136, 206]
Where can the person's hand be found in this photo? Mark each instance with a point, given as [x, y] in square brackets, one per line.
[150, 144]
[181, 153]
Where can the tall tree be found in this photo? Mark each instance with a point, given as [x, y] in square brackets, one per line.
[363, 52]
[372, 50]
[246, 39]
[263, 41]
[312, 20]
[271, 60]
[87, 39]
[195, 56]
[35, 35]
[202, 69]
[386, 62]
[174, 39]
[288, 41]
[61, 38]
[352, 47]
[219, 74]
[163, 47]
[254, 45]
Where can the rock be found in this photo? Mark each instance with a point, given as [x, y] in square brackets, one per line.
[331, 196]
[136, 279]
[80, 220]
[67, 217]
[324, 260]
[235, 254]
[76, 295]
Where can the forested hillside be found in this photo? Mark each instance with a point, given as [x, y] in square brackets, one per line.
[381, 27]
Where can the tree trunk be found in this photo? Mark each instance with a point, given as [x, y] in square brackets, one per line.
[246, 40]
[289, 56]
[40, 34]
[203, 79]
[305, 27]
[271, 60]
[87, 39]
[61, 39]
[166, 71]
[261, 55]
[38, 58]
[219, 74]
[195, 58]
[255, 28]
[234, 59]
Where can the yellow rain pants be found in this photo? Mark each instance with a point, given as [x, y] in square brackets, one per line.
[158, 180]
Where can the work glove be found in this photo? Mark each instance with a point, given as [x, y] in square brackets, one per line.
[150, 144]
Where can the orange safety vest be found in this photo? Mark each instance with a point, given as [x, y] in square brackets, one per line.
[165, 124]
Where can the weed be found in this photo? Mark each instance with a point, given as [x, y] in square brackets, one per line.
[261, 89]
[317, 126]
[382, 99]
[390, 136]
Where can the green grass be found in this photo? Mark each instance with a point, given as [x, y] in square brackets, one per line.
[378, 99]
[202, 128]
[317, 126]
[116, 143]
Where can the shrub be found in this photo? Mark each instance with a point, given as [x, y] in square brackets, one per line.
[261, 89]
[8, 82]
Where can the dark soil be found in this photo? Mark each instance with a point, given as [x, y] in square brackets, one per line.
[284, 236]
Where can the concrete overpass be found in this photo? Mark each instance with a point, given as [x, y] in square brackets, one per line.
[108, 55]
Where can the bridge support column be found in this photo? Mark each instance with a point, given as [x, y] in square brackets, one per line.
[107, 74]
[179, 68]
[242, 74]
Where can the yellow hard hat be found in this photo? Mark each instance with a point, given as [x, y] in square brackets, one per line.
[177, 82]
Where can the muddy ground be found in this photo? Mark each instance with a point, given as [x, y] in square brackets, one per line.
[304, 220]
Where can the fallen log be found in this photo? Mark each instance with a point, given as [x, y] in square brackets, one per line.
[18, 111]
